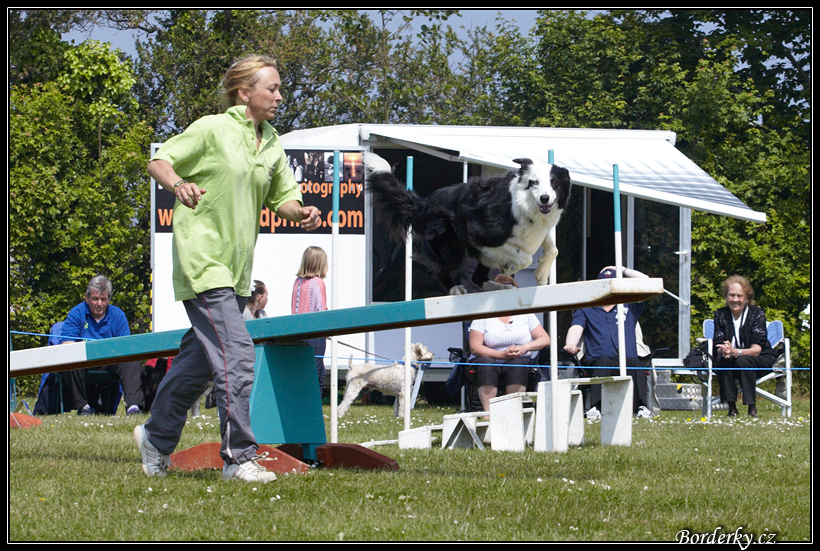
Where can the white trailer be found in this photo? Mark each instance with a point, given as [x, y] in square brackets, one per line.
[654, 176]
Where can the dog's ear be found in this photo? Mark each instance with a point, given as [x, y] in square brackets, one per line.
[559, 177]
[525, 163]
[559, 174]
[561, 181]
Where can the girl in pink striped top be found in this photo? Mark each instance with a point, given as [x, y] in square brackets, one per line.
[309, 295]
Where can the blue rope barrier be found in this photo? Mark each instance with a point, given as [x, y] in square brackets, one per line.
[442, 362]
[49, 336]
[664, 368]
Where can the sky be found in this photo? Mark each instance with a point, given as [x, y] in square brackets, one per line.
[525, 18]
[469, 18]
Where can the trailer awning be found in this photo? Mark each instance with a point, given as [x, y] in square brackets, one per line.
[649, 165]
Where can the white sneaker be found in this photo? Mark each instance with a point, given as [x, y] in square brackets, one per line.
[153, 462]
[249, 471]
[643, 413]
[593, 413]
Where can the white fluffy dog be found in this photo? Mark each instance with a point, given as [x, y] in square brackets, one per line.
[387, 379]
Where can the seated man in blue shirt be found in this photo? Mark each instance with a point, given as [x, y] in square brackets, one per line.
[95, 318]
[598, 325]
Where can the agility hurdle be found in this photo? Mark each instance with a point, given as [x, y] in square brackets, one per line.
[550, 419]
[286, 402]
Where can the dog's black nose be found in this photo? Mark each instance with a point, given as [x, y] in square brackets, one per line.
[545, 198]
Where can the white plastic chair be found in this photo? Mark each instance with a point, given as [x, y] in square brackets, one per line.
[776, 335]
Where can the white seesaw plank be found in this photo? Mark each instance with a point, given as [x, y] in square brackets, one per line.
[345, 321]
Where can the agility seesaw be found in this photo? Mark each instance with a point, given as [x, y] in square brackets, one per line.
[285, 405]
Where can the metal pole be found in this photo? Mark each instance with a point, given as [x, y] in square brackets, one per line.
[619, 269]
[334, 302]
[553, 316]
[408, 295]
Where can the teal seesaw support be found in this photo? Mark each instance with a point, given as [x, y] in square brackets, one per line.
[286, 402]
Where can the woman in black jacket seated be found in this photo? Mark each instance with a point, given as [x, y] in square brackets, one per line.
[741, 344]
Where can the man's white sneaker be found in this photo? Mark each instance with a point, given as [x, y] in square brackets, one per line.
[249, 471]
[643, 413]
[153, 462]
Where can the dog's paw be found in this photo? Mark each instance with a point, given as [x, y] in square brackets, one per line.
[542, 270]
[542, 277]
[458, 290]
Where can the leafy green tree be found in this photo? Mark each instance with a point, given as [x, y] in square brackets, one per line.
[768, 47]
[734, 85]
[678, 70]
[35, 47]
[337, 66]
[742, 115]
[78, 196]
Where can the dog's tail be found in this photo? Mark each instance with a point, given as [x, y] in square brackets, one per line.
[397, 208]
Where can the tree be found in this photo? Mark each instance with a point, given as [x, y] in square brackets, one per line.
[78, 194]
[768, 47]
[744, 117]
[734, 85]
[337, 66]
[35, 52]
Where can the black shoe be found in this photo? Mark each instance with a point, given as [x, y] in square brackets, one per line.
[732, 409]
[753, 410]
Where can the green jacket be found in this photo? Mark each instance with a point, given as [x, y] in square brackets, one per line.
[214, 244]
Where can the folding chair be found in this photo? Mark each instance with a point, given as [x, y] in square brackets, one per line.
[782, 372]
[103, 388]
[461, 377]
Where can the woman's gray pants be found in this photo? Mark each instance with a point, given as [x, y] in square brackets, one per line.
[218, 347]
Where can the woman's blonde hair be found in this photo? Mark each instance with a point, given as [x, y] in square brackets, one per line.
[744, 284]
[314, 263]
[242, 75]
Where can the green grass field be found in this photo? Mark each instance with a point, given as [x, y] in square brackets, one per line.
[79, 479]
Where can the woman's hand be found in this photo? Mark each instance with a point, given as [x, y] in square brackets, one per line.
[189, 194]
[307, 217]
[310, 218]
[514, 351]
[725, 348]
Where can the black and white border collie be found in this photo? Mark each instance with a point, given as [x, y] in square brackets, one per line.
[500, 221]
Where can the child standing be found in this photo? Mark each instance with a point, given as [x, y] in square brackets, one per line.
[309, 295]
